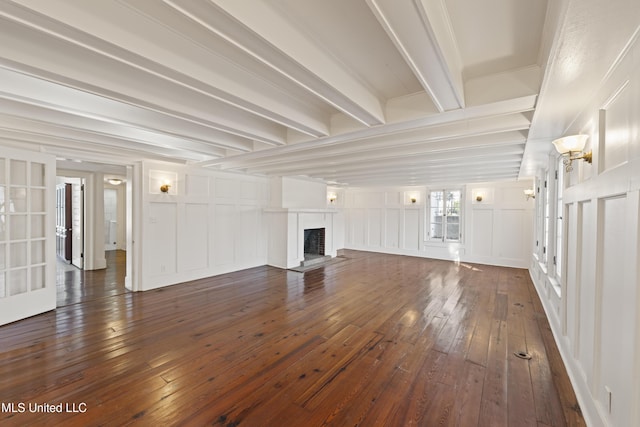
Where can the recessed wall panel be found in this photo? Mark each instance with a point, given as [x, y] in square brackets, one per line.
[619, 297]
[225, 188]
[224, 232]
[195, 247]
[586, 259]
[161, 253]
[197, 185]
[412, 229]
[392, 236]
[616, 132]
[482, 232]
[358, 226]
[512, 223]
[375, 227]
[248, 232]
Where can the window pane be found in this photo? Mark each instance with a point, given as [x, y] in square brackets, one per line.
[18, 254]
[453, 215]
[435, 230]
[17, 281]
[560, 213]
[37, 174]
[37, 278]
[37, 200]
[545, 237]
[37, 226]
[436, 211]
[453, 228]
[18, 172]
[18, 227]
[37, 251]
[3, 286]
[18, 197]
[444, 215]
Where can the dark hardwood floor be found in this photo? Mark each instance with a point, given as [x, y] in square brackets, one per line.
[374, 340]
[75, 285]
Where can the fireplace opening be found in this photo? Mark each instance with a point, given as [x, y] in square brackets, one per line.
[313, 243]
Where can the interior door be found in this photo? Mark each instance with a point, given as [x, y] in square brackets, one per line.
[27, 234]
[63, 221]
[77, 224]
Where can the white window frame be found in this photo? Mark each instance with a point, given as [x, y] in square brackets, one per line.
[558, 255]
[546, 220]
[445, 215]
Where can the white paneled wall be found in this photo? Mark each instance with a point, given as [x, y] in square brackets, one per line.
[596, 316]
[208, 223]
[496, 230]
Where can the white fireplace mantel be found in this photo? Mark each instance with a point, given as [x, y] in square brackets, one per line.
[286, 233]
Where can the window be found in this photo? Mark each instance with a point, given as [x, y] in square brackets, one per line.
[546, 224]
[444, 215]
[559, 213]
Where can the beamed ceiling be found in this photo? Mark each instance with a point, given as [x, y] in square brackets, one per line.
[354, 92]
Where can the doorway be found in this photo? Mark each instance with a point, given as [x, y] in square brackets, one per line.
[99, 210]
[70, 220]
[111, 222]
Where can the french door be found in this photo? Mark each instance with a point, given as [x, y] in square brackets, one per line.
[27, 234]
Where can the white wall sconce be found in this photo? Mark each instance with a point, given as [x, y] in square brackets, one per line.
[571, 148]
[332, 197]
[529, 193]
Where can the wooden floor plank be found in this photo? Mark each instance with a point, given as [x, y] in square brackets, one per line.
[372, 340]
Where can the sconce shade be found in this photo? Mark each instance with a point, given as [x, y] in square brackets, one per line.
[571, 143]
[529, 193]
[114, 181]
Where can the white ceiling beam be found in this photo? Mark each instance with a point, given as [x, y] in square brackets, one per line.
[91, 66]
[471, 128]
[439, 177]
[14, 113]
[56, 97]
[458, 147]
[496, 165]
[273, 40]
[399, 165]
[97, 149]
[499, 116]
[421, 31]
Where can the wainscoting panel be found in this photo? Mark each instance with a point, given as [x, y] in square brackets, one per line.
[161, 258]
[512, 222]
[224, 234]
[482, 225]
[412, 229]
[617, 335]
[194, 241]
[374, 217]
[392, 234]
[356, 227]
[586, 288]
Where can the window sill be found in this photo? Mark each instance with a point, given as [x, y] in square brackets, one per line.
[556, 286]
[543, 267]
